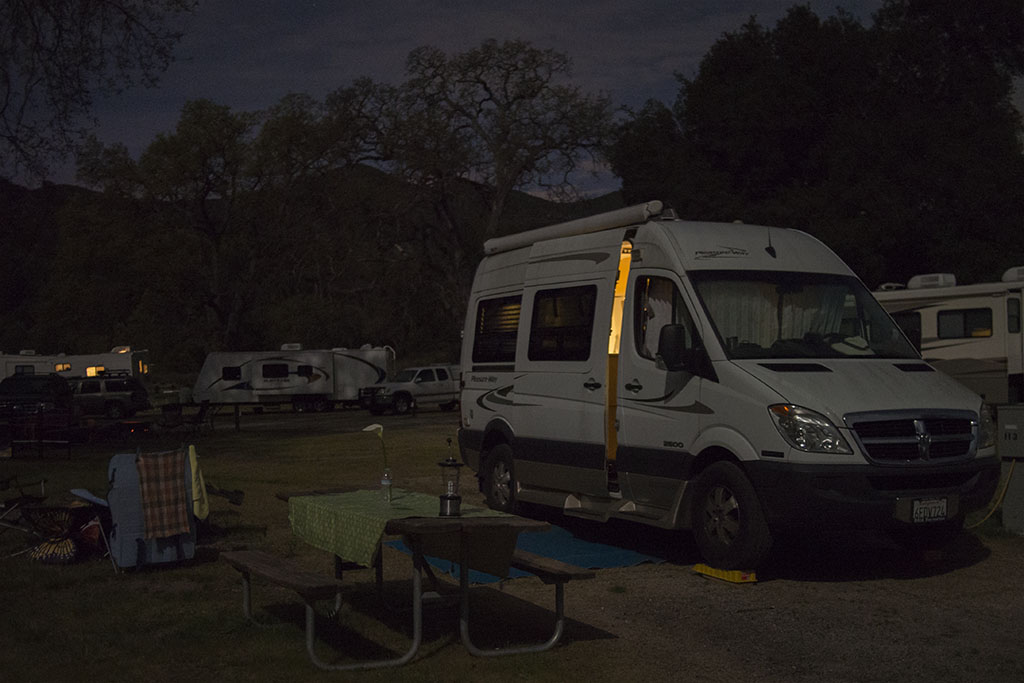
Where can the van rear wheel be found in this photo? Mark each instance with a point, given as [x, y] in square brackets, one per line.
[728, 524]
[499, 479]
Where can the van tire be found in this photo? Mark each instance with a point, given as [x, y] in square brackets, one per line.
[499, 479]
[729, 527]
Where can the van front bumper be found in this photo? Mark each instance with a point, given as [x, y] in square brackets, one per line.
[867, 497]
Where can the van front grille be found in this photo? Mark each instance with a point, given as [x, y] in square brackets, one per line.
[907, 437]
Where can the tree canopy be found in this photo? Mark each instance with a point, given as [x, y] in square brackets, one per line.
[897, 143]
[356, 219]
[57, 56]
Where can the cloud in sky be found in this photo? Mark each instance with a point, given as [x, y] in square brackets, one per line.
[248, 55]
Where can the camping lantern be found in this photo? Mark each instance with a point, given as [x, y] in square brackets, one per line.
[450, 499]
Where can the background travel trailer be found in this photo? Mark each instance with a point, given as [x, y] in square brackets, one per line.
[970, 332]
[119, 360]
[309, 379]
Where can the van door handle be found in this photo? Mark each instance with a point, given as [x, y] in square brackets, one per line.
[592, 385]
[634, 387]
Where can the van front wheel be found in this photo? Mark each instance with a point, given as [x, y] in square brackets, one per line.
[499, 479]
[728, 524]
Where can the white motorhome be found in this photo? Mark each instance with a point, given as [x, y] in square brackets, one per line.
[970, 332]
[734, 380]
[119, 360]
[308, 379]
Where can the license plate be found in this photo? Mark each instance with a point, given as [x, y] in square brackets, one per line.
[928, 510]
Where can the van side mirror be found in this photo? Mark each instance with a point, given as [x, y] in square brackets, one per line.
[675, 354]
[672, 348]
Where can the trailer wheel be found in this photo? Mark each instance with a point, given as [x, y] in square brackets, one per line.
[499, 479]
[401, 404]
[728, 524]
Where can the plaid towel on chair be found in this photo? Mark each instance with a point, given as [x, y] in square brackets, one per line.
[165, 506]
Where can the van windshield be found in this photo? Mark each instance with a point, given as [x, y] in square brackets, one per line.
[768, 314]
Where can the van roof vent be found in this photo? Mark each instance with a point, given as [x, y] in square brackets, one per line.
[890, 286]
[931, 280]
[291, 347]
[1015, 274]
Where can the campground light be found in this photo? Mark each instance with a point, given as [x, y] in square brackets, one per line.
[450, 499]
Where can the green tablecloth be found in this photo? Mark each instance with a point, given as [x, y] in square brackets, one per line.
[351, 525]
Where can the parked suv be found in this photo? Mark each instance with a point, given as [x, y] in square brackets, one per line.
[115, 396]
[30, 394]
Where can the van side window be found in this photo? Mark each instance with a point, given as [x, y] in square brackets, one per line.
[563, 323]
[442, 375]
[304, 371]
[657, 302]
[497, 321]
[91, 386]
[970, 322]
[1013, 315]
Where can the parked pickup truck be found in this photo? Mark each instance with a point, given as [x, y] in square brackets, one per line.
[411, 388]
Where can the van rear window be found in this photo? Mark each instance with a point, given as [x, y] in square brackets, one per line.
[497, 322]
[563, 323]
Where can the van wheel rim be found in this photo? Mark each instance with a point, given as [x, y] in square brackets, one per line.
[501, 486]
[722, 515]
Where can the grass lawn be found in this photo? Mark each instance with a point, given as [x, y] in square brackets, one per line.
[84, 621]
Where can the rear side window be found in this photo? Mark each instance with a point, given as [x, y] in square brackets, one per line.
[497, 321]
[91, 386]
[969, 322]
[275, 370]
[563, 323]
[1013, 315]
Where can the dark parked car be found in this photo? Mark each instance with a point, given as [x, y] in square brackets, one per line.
[25, 395]
[115, 396]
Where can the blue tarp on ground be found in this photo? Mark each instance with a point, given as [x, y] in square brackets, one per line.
[558, 543]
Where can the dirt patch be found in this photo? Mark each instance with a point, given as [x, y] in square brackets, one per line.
[830, 609]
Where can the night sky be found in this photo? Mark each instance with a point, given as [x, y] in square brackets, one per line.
[249, 54]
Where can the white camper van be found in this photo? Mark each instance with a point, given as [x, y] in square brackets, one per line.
[309, 379]
[731, 379]
[970, 332]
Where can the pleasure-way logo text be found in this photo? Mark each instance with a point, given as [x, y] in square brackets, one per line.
[721, 252]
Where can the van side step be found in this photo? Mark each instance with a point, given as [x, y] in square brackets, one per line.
[598, 508]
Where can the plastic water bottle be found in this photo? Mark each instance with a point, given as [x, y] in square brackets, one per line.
[385, 486]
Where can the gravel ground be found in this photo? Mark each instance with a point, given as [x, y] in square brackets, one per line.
[833, 609]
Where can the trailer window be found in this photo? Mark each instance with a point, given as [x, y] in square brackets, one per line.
[231, 372]
[563, 323]
[965, 323]
[1013, 315]
[275, 370]
[497, 321]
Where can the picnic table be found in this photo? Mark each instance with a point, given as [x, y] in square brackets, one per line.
[351, 526]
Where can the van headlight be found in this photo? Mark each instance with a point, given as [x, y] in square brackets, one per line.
[986, 427]
[807, 430]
